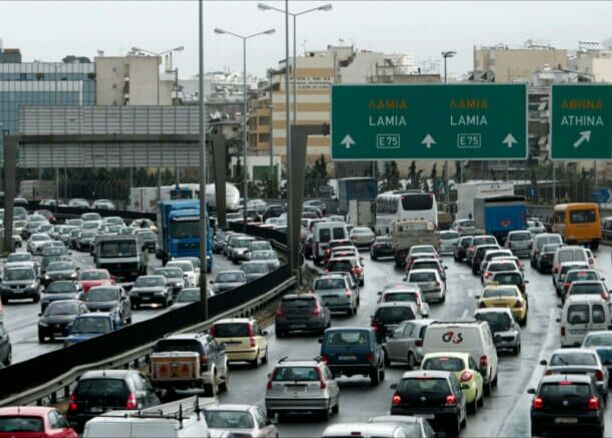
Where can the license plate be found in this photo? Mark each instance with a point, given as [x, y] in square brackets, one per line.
[568, 420]
[298, 326]
[17, 291]
[578, 332]
[347, 357]
[146, 298]
[426, 416]
[296, 388]
[96, 410]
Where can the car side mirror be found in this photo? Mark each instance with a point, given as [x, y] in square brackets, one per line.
[320, 340]
[603, 279]
[446, 267]
[531, 391]
[440, 435]
[265, 333]
[379, 292]
[393, 386]
[558, 319]
[40, 314]
[477, 297]
[526, 281]
[543, 362]
[211, 281]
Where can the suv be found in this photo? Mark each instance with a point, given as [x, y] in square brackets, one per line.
[244, 340]
[460, 251]
[20, 282]
[103, 390]
[538, 243]
[564, 402]
[336, 294]
[353, 351]
[302, 386]
[435, 395]
[303, 312]
[387, 317]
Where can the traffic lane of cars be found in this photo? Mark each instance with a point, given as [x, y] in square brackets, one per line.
[21, 318]
[506, 412]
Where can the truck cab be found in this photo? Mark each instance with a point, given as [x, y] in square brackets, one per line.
[122, 256]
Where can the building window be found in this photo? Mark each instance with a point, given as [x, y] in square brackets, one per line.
[23, 76]
[40, 76]
[264, 121]
[114, 86]
[114, 103]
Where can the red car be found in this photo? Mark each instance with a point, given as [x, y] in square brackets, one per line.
[34, 422]
[95, 277]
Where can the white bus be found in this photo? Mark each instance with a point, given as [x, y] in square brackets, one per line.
[392, 206]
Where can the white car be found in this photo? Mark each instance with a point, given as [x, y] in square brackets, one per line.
[535, 227]
[192, 276]
[448, 241]
[36, 242]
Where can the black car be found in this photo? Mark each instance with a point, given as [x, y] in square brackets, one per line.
[544, 259]
[463, 244]
[61, 290]
[20, 282]
[53, 254]
[435, 394]
[151, 289]
[567, 403]
[218, 241]
[381, 247]
[388, 316]
[60, 270]
[57, 318]
[304, 313]
[103, 390]
[110, 299]
[479, 254]
[6, 351]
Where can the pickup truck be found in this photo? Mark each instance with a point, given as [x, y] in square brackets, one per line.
[407, 233]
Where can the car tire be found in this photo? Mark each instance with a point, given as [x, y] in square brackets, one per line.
[455, 429]
[4, 300]
[325, 414]
[264, 360]
[463, 423]
[494, 382]
[388, 360]
[523, 322]
[255, 363]
[41, 338]
[129, 320]
[36, 298]
[480, 401]
[225, 384]
[361, 283]
[411, 361]
[375, 377]
[517, 350]
[472, 407]
[487, 388]
[336, 408]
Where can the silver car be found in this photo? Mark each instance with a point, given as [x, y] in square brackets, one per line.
[448, 241]
[406, 342]
[505, 330]
[270, 257]
[302, 386]
[225, 420]
[520, 243]
[410, 292]
[336, 293]
[432, 286]
[362, 236]
[465, 227]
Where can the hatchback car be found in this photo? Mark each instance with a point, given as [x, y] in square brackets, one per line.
[481, 239]
[302, 386]
[479, 254]
[347, 264]
[36, 242]
[61, 290]
[520, 243]
[90, 325]
[95, 277]
[254, 270]
[515, 278]
[175, 278]
[381, 247]
[460, 251]
[545, 256]
[507, 296]
[405, 343]
[448, 241]
[56, 320]
[269, 256]
[429, 263]
[34, 421]
[20, 282]
[301, 312]
[388, 316]
[410, 292]
[413, 427]
[580, 275]
[111, 299]
[336, 293]
[433, 288]
[150, 289]
[497, 265]
[228, 280]
[238, 420]
[564, 268]
[61, 270]
[505, 330]
[244, 340]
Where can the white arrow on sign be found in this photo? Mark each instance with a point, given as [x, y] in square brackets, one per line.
[509, 140]
[584, 136]
[347, 141]
[428, 141]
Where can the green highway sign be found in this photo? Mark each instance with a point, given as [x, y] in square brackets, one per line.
[429, 121]
[581, 122]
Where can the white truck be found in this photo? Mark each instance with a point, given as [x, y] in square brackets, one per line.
[467, 192]
[407, 233]
[144, 199]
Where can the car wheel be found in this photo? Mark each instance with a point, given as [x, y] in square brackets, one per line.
[4, 299]
[375, 376]
[523, 322]
[265, 358]
[480, 401]
[494, 383]
[325, 414]
[463, 422]
[41, 338]
[336, 408]
[255, 363]
[455, 428]
[471, 407]
[411, 361]
[129, 320]
[36, 298]
[224, 385]
[516, 350]
[487, 388]
[362, 282]
[388, 360]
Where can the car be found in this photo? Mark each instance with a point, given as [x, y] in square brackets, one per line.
[590, 257]
[190, 273]
[413, 427]
[387, 316]
[243, 338]
[420, 251]
[564, 268]
[257, 245]
[565, 254]
[6, 350]
[238, 247]
[481, 239]
[362, 236]
[428, 263]
[465, 369]
[493, 254]
[20, 282]
[98, 391]
[580, 275]
[513, 277]
[566, 361]
[538, 243]
[112, 299]
[228, 280]
[479, 254]
[336, 293]
[189, 295]
[410, 292]
[53, 254]
[57, 318]
[347, 264]
[464, 227]
[36, 242]
[175, 278]
[273, 211]
[592, 287]
[254, 269]
[78, 203]
[344, 251]
[60, 270]
[448, 241]
[89, 278]
[318, 203]
[497, 265]
[432, 287]
[21, 259]
[350, 351]
[269, 256]
[303, 313]
[151, 289]
[218, 241]
[508, 296]
[504, 328]
[302, 386]
[601, 343]
[519, 242]
[544, 257]
[404, 343]
[85, 240]
[366, 430]
[580, 315]
[381, 247]
[460, 251]
[90, 325]
[38, 421]
[61, 290]
[566, 403]
[435, 395]
[238, 420]
[535, 227]
[144, 223]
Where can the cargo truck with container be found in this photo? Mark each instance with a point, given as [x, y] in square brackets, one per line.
[468, 192]
[498, 215]
[406, 233]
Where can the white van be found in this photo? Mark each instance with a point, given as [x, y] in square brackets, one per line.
[179, 419]
[472, 337]
[582, 314]
[325, 232]
[568, 254]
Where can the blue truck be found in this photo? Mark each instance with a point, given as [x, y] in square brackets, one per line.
[178, 224]
[498, 215]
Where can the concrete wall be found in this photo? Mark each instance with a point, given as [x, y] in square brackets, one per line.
[511, 65]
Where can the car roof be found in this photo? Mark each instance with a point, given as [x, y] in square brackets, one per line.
[425, 373]
[396, 304]
[412, 271]
[363, 429]
[104, 315]
[501, 286]
[230, 271]
[111, 373]
[297, 363]
[584, 298]
[515, 272]
[234, 321]
[228, 407]
[331, 275]
[184, 337]
[577, 378]
[349, 328]
[588, 282]
[460, 354]
[298, 296]
[26, 411]
[573, 350]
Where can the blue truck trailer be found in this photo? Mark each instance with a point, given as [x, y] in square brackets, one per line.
[498, 215]
[178, 224]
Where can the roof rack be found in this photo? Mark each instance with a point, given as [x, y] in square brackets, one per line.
[179, 410]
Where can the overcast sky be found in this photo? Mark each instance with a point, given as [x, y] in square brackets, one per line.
[49, 30]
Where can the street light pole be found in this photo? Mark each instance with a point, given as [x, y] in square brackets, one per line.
[202, 174]
[445, 55]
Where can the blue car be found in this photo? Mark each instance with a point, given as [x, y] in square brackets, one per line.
[351, 351]
[90, 325]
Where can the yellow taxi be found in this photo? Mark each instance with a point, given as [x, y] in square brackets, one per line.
[509, 296]
[243, 338]
[465, 369]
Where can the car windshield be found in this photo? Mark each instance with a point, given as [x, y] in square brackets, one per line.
[254, 268]
[53, 250]
[598, 340]
[58, 287]
[230, 277]
[59, 308]
[466, 223]
[121, 248]
[295, 374]
[91, 325]
[94, 275]
[13, 258]
[394, 314]
[581, 275]
[11, 424]
[88, 388]
[260, 246]
[330, 283]
[449, 235]
[560, 359]
[102, 294]
[339, 265]
[149, 281]
[520, 236]
[347, 338]
[425, 264]
[422, 277]
[499, 292]
[299, 304]
[443, 364]
[586, 289]
[422, 250]
[39, 238]
[263, 255]
[170, 272]
[87, 235]
[550, 247]
[188, 296]
[498, 321]
[61, 266]
[183, 266]
[228, 419]
[19, 274]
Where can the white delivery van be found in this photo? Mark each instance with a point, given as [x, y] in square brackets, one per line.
[582, 314]
[179, 419]
[472, 337]
[325, 232]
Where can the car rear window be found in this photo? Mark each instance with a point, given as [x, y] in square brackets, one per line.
[563, 390]
[484, 241]
[424, 265]
[581, 275]
[449, 236]
[18, 423]
[572, 359]
[324, 235]
[443, 364]
[497, 321]
[339, 265]
[394, 314]
[585, 289]
[499, 292]
[414, 388]
[330, 283]
[292, 374]
[520, 236]
[347, 338]
[511, 278]
[232, 330]
[169, 345]
[578, 314]
[97, 387]
[498, 267]
[571, 255]
[582, 216]
[400, 297]
[417, 277]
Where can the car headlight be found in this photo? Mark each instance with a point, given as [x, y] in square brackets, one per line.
[33, 285]
[47, 277]
[43, 324]
[73, 275]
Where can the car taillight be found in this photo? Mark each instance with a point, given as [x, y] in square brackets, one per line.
[348, 293]
[279, 311]
[482, 305]
[562, 331]
[484, 361]
[213, 331]
[396, 400]
[131, 402]
[593, 404]
[369, 357]
[548, 373]
[555, 269]
[327, 251]
[604, 295]
[203, 360]
[537, 403]
[509, 244]
[451, 400]
[437, 284]
[599, 375]
[487, 274]
[73, 403]
[322, 383]
[374, 325]
[418, 342]
[356, 269]
[378, 246]
[566, 285]
[466, 376]
[324, 358]
[518, 304]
